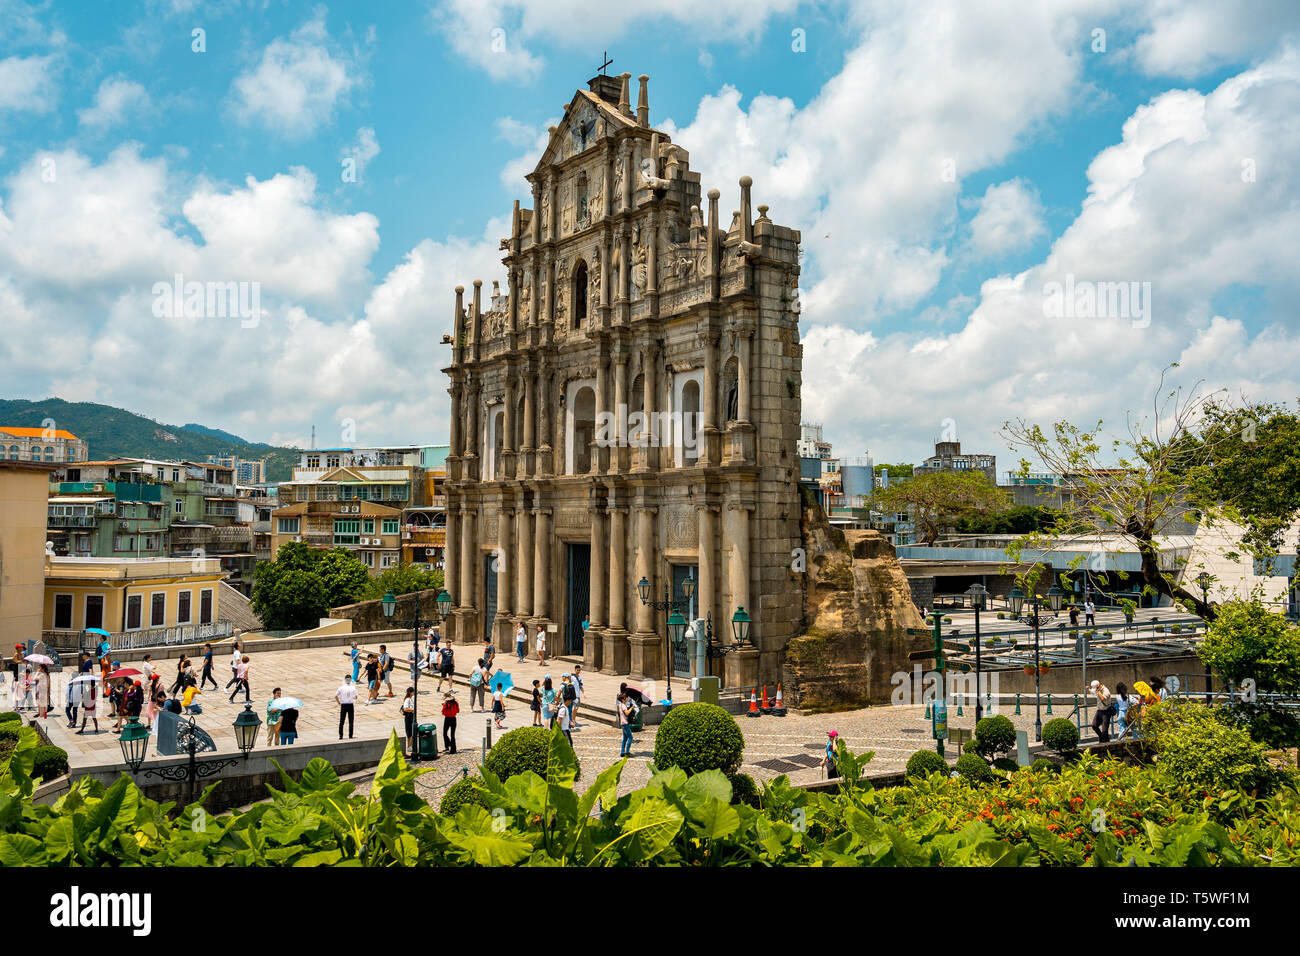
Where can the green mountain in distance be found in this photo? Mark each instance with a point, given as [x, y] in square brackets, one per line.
[116, 433]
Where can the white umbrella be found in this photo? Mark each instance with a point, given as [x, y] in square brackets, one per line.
[38, 659]
[285, 703]
[84, 679]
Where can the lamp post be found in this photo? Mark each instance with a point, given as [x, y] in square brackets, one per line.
[134, 742]
[1017, 597]
[978, 595]
[676, 627]
[443, 606]
[1203, 581]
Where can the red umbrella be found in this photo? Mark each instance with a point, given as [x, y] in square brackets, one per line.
[124, 672]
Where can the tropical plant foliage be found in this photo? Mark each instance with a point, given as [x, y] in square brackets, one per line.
[1092, 812]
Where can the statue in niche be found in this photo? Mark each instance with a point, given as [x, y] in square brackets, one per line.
[593, 273]
[525, 295]
[546, 213]
[596, 202]
[619, 163]
[640, 273]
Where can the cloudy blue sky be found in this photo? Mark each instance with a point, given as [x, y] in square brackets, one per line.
[946, 162]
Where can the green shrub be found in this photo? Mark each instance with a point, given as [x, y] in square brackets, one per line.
[973, 768]
[994, 736]
[1198, 746]
[524, 748]
[459, 794]
[1043, 765]
[1061, 735]
[698, 737]
[925, 762]
[10, 716]
[51, 762]
[744, 790]
[9, 732]
[1006, 763]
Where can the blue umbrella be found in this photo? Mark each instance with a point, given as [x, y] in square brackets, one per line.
[98, 630]
[504, 679]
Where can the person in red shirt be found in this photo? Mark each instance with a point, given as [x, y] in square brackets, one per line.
[450, 708]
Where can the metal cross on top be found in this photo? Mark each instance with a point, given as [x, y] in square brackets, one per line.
[608, 61]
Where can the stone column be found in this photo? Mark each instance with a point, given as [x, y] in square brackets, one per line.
[534, 300]
[741, 666]
[506, 601]
[616, 656]
[624, 264]
[649, 452]
[524, 561]
[744, 348]
[542, 564]
[537, 214]
[646, 644]
[450, 552]
[706, 595]
[530, 430]
[603, 457]
[467, 575]
[471, 429]
[591, 645]
[619, 456]
[455, 426]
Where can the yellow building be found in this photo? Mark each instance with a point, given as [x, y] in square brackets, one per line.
[138, 600]
[24, 497]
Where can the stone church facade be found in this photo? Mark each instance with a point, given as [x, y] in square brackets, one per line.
[628, 408]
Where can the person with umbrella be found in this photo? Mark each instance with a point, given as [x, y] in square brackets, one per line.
[42, 685]
[88, 694]
[288, 707]
[499, 705]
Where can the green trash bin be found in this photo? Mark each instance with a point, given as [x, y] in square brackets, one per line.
[428, 736]
[638, 721]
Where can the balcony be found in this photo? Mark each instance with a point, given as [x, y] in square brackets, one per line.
[218, 491]
[66, 641]
[71, 521]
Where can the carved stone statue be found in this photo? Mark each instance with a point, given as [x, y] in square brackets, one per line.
[525, 295]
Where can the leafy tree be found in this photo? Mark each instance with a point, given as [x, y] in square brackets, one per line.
[345, 578]
[403, 579]
[1017, 519]
[1194, 457]
[1247, 641]
[938, 500]
[894, 471]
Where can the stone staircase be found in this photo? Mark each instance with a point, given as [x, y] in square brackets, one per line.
[237, 608]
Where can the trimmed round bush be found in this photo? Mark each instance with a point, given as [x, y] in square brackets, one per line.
[50, 762]
[744, 789]
[1007, 764]
[10, 716]
[459, 794]
[925, 762]
[697, 737]
[973, 768]
[524, 748]
[1061, 735]
[1043, 765]
[995, 735]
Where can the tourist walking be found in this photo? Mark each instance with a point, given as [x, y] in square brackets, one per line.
[566, 725]
[148, 670]
[624, 707]
[236, 658]
[1089, 613]
[416, 661]
[346, 695]
[1121, 703]
[355, 656]
[536, 705]
[73, 699]
[521, 642]
[1074, 616]
[288, 726]
[477, 686]
[568, 697]
[489, 654]
[450, 708]
[372, 679]
[43, 691]
[548, 701]
[446, 665]
[499, 705]
[541, 645]
[408, 720]
[431, 650]
[207, 669]
[273, 718]
[831, 760]
[578, 691]
[88, 712]
[182, 674]
[386, 665]
[1105, 709]
[241, 680]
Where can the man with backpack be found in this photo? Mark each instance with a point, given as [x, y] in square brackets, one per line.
[386, 667]
[568, 697]
[478, 678]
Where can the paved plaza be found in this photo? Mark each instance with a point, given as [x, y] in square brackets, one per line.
[773, 745]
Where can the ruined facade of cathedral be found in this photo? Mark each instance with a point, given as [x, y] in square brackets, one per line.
[628, 409]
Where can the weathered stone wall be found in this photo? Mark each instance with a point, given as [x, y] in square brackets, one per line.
[369, 616]
[859, 606]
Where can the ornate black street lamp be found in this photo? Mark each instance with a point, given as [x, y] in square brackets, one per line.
[676, 628]
[134, 742]
[978, 595]
[443, 606]
[1017, 597]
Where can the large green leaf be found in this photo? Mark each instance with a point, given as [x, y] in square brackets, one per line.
[715, 820]
[605, 789]
[646, 831]
[473, 833]
[561, 762]
[700, 787]
[18, 849]
[319, 775]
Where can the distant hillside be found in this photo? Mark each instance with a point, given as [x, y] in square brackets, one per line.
[115, 432]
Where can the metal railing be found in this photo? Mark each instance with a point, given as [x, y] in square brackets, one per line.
[73, 640]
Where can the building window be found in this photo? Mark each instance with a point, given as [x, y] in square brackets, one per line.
[367, 558]
[368, 526]
[13, 452]
[180, 507]
[386, 561]
[332, 461]
[346, 531]
[580, 293]
[391, 526]
[134, 603]
[288, 525]
[63, 612]
[157, 609]
[183, 607]
[94, 610]
[583, 432]
[36, 453]
[313, 461]
[205, 606]
[49, 453]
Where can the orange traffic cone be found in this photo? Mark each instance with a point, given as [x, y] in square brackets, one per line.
[778, 708]
[753, 703]
[767, 704]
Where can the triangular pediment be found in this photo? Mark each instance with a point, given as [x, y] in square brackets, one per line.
[584, 108]
[342, 474]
